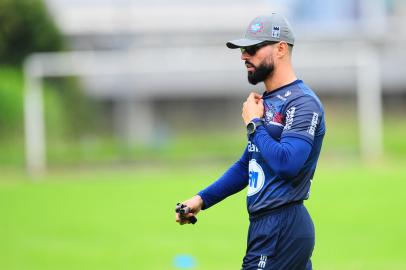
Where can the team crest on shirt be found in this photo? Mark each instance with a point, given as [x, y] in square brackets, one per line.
[256, 178]
[272, 115]
[278, 118]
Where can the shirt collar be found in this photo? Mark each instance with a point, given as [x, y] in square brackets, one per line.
[267, 94]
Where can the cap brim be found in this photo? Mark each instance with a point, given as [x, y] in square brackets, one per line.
[241, 43]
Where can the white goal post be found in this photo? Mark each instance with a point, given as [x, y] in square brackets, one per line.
[41, 65]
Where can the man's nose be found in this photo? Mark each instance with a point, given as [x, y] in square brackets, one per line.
[245, 56]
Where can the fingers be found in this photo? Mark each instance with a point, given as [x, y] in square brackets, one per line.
[254, 96]
[261, 103]
[252, 109]
[246, 104]
[244, 109]
[190, 209]
[183, 219]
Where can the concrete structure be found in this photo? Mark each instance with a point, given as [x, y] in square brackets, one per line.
[137, 52]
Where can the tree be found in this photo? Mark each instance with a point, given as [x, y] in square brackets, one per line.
[26, 27]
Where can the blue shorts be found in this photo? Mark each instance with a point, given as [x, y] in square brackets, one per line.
[280, 240]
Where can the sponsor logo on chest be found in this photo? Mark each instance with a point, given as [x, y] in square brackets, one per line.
[252, 148]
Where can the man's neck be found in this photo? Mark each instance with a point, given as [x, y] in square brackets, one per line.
[280, 78]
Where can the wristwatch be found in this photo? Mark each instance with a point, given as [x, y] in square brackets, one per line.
[253, 125]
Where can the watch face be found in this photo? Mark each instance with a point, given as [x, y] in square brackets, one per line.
[250, 127]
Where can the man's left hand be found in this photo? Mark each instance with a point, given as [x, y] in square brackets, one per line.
[252, 108]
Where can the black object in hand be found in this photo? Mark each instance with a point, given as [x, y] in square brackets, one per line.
[183, 210]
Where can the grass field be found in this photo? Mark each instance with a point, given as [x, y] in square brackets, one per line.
[124, 218]
[85, 215]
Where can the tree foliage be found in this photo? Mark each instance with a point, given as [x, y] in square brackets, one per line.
[26, 27]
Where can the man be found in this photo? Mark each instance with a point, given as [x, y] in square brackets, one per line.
[285, 129]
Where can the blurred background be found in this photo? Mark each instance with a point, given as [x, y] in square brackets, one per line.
[111, 112]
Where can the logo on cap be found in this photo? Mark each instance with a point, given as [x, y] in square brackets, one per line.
[257, 27]
[276, 31]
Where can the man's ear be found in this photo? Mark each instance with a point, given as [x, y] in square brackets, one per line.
[282, 49]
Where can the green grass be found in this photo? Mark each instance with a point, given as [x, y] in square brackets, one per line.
[341, 140]
[124, 218]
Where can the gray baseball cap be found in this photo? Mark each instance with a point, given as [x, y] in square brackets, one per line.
[273, 27]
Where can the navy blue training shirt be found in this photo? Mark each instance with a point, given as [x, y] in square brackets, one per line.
[281, 157]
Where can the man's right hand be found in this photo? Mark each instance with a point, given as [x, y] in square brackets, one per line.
[195, 204]
[252, 108]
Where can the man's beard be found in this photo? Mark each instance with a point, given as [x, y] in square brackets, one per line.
[260, 73]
